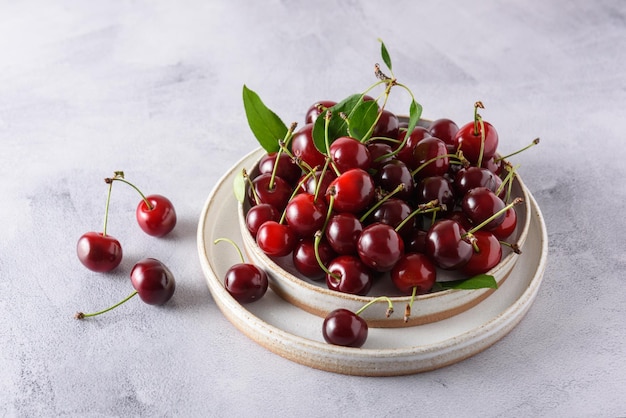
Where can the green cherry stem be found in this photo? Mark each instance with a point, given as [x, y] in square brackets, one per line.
[106, 207]
[398, 188]
[287, 138]
[231, 242]
[81, 315]
[532, 144]
[409, 305]
[477, 105]
[516, 201]
[376, 300]
[316, 247]
[431, 207]
[119, 176]
[482, 141]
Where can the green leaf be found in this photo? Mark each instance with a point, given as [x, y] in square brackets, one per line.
[362, 119]
[239, 186]
[481, 281]
[266, 126]
[415, 112]
[385, 54]
[337, 127]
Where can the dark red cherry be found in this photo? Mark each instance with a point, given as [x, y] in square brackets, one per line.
[380, 154]
[305, 214]
[305, 261]
[387, 126]
[347, 153]
[159, 219]
[480, 204]
[276, 195]
[508, 225]
[259, 214]
[393, 212]
[431, 157]
[309, 185]
[380, 247]
[303, 146]
[316, 109]
[446, 245]
[286, 169]
[488, 256]
[494, 165]
[275, 239]
[98, 252]
[153, 281]
[406, 153]
[342, 232]
[245, 282]
[436, 188]
[416, 242]
[445, 129]
[394, 174]
[469, 140]
[345, 328]
[471, 177]
[353, 191]
[349, 275]
[414, 270]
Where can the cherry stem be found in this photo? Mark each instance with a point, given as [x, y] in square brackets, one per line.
[119, 177]
[477, 105]
[507, 182]
[398, 188]
[517, 201]
[233, 244]
[514, 247]
[286, 140]
[106, 208]
[532, 144]
[375, 300]
[409, 305]
[246, 177]
[482, 141]
[294, 193]
[316, 245]
[81, 315]
[431, 207]
[432, 160]
[322, 175]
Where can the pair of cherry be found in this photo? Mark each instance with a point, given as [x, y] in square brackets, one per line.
[151, 279]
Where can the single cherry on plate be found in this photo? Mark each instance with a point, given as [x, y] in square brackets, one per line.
[245, 282]
[153, 282]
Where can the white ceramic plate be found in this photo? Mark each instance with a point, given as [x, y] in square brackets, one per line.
[297, 335]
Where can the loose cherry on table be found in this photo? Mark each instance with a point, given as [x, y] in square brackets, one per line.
[245, 282]
[346, 328]
[153, 282]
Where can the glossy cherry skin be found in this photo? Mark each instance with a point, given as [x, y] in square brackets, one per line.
[488, 256]
[349, 275]
[353, 191]
[380, 154]
[342, 232]
[303, 146]
[258, 215]
[277, 196]
[347, 153]
[472, 177]
[153, 281]
[345, 328]
[286, 169]
[445, 129]
[99, 253]
[446, 246]
[317, 109]
[393, 174]
[414, 270]
[380, 247]
[416, 243]
[436, 188]
[387, 126]
[469, 141]
[275, 239]
[157, 220]
[310, 184]
[305, 214]
[245, 282]
[426, 150]
[393, 212]
[480, 204]
[406, 153]
[508, 225]
[304, 259]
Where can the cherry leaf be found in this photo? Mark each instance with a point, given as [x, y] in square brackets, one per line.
[362, 119]
[337, 126]
[415, 113]
[481, 281]
[266, 126]
[385, 54]
[239, 186]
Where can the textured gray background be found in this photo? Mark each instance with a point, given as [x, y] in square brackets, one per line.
[154, 88]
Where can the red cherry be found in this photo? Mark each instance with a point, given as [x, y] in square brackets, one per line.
[349, 275]
[258, 215]
[436, 188]
[379, 152]
[472, 177]
[469, 140]
[305, 214]
[347, 153]
[286, 168]
[414, 270]
[393, 174]
[446, 245]
[445, 129]
[303, 146]
[276, 194]
[508, 225]
[159, 219]
[342, 232]
[245, 282]
[153, 281]
[380, 247]
[316, 109]
[98, 252]
[276, 240]
[309, 185]
[345, 328]
[305, 261]
[406, 153]
[387, 126]
[488, 256]
[430, 156]
[353, 191]
[480, 204]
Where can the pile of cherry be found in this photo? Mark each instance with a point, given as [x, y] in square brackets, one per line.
[100, 252]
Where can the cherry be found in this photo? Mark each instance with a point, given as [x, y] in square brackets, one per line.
[380, 154]
[317, 109]
[416, 242]
[471, 177]
[285, 168]
[342, 232]
[305, 260]
[446, 245]
[431, 157]
[508, 225]
[445, 129]
[310, 183]
[158, 218]
[348, 274]
[347, 153]
[387, 126]
[414, 272]
[406, 153]
[393, 174]
[345, 328]
[478, 140]
[258, 214]
[245, 282]
[303, 147]
[352, 191]
[486, 256]
[99, 252]
[305, 214]
[436, 188]
[268, 189]
[392, 212]
[151, 279]
[380, 247]
[480, 204]
[276, 239]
